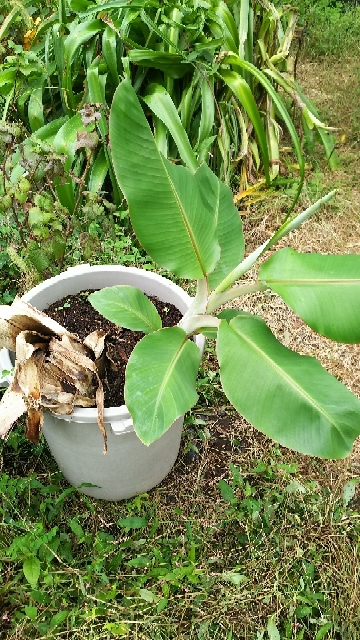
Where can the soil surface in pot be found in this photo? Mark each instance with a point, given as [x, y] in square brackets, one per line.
[77, 315]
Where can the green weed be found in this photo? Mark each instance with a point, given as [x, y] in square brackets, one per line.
[330, 28]
[262, 549]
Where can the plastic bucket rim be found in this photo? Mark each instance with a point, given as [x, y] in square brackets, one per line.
[121, 412]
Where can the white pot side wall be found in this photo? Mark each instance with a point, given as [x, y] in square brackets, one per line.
[129, 467]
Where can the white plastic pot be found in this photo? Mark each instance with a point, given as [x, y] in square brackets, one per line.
[129, 467]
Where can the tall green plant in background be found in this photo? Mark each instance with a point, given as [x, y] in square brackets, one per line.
[214, 79]
[53, 157]
[38, 235]
[47, 85]
[217, 68]
[222, 70]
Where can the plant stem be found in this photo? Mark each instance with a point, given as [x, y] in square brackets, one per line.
[239, 271]
[215, 301]
[296, 221]
[196, 323]
[82, 182]
[198, 305]
[286, 227]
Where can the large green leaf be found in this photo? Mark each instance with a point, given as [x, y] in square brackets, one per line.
[289, 397]
[160, 102]
[323, 290]
[160, 381]
[218, 199]
[127, 307]
[164, 200]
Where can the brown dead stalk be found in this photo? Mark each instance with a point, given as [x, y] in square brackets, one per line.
[53, 370]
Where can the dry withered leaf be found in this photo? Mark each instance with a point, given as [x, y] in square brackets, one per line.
[73, 345]
[73, 366]
[13, 406]
[22, 316]
[60, 403]
[96, 342]
[82, 401]
[34, 424]
[7, 337]
[52, 370]
[27, 378]
[89, 114]
[86, 139]
[113, 353]
[100, 406]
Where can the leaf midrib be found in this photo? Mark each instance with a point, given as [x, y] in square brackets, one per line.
[286, 376]
[167, 376]
[138, 314]
[184, 218]
[310, 281]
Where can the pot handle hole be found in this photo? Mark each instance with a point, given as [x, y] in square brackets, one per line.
[122, 426]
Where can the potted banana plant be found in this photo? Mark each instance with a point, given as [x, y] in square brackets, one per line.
[185, 218]
[57, 384]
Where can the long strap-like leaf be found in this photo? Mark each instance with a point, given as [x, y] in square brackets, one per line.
[160, 102]
[243, 93]
[259, 75]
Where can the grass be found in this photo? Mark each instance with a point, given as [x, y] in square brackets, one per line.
[240, 532]
[330, 27]
[244, 540]
[338, 27]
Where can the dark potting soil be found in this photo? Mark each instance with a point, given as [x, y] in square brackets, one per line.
[77, 315]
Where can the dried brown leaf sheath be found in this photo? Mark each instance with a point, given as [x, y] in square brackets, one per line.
[52, 369]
